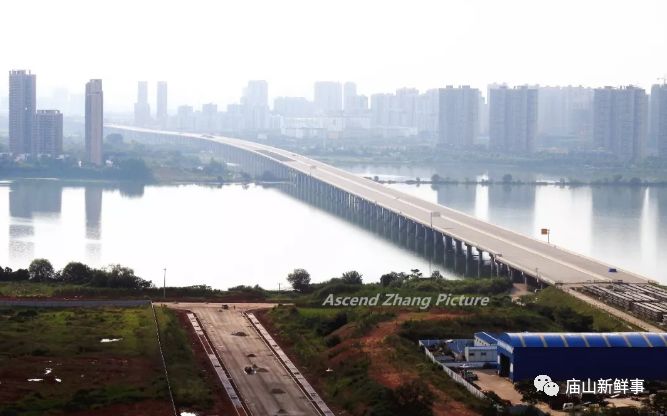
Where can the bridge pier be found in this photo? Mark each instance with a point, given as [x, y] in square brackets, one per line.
[458, 256]
[438, 247]
[411, 234]
[419, 237]
[394, 226]
[469, 260]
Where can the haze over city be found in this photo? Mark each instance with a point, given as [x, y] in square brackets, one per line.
[208, 50]
[333, 208]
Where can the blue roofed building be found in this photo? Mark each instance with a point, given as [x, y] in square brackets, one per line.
[563, 356]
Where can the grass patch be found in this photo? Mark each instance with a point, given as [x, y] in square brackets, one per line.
[188, 384]
[601, 321]
[92, 374]
[301, 329]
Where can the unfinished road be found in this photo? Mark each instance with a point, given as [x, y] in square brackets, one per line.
[270, 390]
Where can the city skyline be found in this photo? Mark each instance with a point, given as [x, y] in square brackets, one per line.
[427, 47]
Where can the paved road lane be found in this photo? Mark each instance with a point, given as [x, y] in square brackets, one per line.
[271, 390]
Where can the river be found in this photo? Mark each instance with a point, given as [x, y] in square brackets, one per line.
[252, 234]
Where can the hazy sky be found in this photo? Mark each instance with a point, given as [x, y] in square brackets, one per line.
[208, 49]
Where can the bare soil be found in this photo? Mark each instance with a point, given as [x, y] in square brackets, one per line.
[382, 369]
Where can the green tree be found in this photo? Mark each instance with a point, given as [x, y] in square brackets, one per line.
[352, 277]
[124, 277]
[414, 398]
[415, 274]
[77, 273]
[389, 278]
[436, 275]
[507, 178]
[41, 270]
[300, 280]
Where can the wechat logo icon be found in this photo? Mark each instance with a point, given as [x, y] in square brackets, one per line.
[544, 383]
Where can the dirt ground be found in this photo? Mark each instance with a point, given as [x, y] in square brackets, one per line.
[382, 368]
[144, 408]
[384, 371]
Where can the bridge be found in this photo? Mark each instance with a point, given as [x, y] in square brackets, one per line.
[447, 234]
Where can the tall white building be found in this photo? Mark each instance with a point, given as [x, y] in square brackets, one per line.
[349, 97]
[94, 121]
[292, 107]
[255, 103]
[22, 107]
[620, 118]
[405, 106]
[458, 116]
[48, 133]
[383, 110]
[512, 119]
[142, 110]
[328, 98]
[565, 111]
[162, 112]
[659, 118]
[426, 113]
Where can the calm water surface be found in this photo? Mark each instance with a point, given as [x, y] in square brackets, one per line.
[203, 235]
[255, 235]
[625, 226]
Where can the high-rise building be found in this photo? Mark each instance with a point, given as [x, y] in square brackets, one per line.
[208, 118]
[565, 111]
[405, 107]
[458, 116]
[328, 98]
[255, 103]
[185, 118]
[350, 97]
[162, 111]
[426, 113]
[22, 107]
[383, 110]
[47, 131]
[292, 107]
[94, 121]
[620, 118]
[256, 94]
[512, 119]
[142, 110]
[659, 118]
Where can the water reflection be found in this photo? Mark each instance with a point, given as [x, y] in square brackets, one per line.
[513, 203]
[236, 234]
[93, 196]
[220, 236]
[27, 200]
[623, 226]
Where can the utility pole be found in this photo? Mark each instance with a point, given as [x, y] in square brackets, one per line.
[164, 283]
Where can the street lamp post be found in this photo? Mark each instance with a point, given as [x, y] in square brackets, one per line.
[164, 283]
[434, 214]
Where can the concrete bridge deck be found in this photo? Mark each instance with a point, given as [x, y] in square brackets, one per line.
[515, 252]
